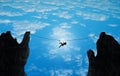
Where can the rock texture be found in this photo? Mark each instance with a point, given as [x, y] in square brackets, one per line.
[107, 60]
[13, 56]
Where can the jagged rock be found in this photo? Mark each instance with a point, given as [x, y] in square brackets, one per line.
[13, 56]
[107, 60]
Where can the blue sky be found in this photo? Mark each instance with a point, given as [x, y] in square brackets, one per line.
[61, 20]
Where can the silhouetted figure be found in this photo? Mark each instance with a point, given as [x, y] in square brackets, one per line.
[13, 56]
[107, 60]
[62, 43]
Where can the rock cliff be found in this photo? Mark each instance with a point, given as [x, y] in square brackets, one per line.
[107, 60]
[13, 56]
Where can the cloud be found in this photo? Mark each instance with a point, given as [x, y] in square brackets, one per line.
[67, 58]
[5, 21]
[82, 72]
[86, 60]
[7, 13]
[92, 16]
[33, 67]
[5, 0]
[105, 8]
[118, 39]
[93, 37]
[61, 32]
[113, 25]
[65, 25]
[83, 25]
[61, 72]
[31, 6]
[74, 22]
[75, 48]
[38, 16]
[99, 10]
[79, 60]
[10, 13]
[54, 2]
[19, 27]
[30, 1]
[63, 14]
[44, 9]
[52, 53]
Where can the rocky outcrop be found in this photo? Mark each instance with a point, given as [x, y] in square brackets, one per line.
[13, 56]
[107, 60]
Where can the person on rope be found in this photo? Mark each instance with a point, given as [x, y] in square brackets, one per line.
[62, 43]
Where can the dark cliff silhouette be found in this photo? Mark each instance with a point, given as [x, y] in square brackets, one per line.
[13, 56]
[107, 60]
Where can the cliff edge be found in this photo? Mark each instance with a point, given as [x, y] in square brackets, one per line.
[13, 56]
[107, 60]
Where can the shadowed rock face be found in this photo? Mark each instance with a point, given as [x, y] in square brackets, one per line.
[107, 60]
[13, 56]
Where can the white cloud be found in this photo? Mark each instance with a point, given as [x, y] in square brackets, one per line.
[74, 22]
[19, 27]
[93, 37]
[5, 21]
[86, 60]
[54, 2]
[44, 9]
[30, 1]
[33, 67]
[61, 33]
[67, 58]
[107, 7]
[79, 60]
[92, 16]
[63, 14]
[61, 72]
[52, 53]
[75, 48]
[118, 39]
[10, 13]
[65, 25]
[5, 0]
[82, 72]
[31, 6]
[18, 0]
[113, 25]
[83, 25]
[95, 52]
[116, 16]
[39, 16]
